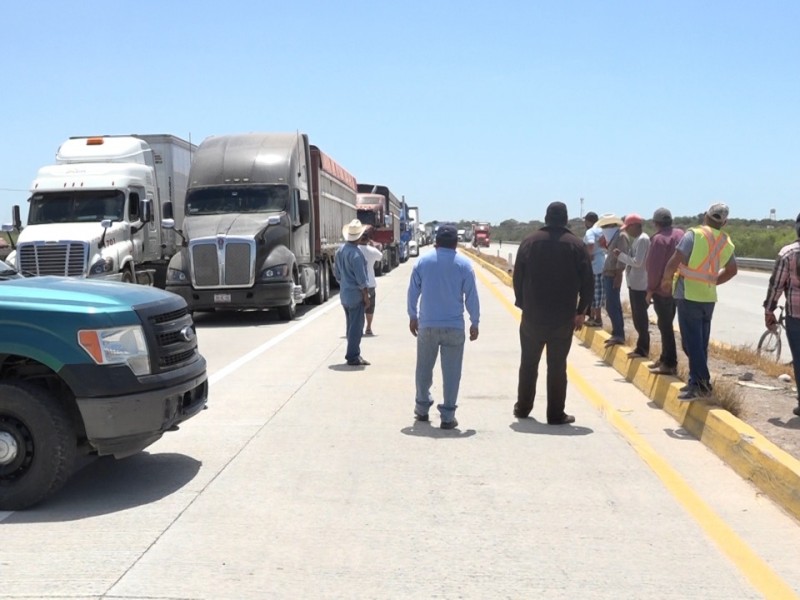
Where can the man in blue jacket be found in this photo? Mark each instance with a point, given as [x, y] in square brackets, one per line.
[350, 270]
[442, 283]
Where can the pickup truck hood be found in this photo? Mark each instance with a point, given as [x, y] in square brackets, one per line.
[67, 232]
[66, 294]
[246, 225]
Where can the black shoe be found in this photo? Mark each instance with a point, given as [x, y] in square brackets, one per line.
[358, 362]
[663, 369]
[564, 420]
[449, 424]
[519, 414]
[422, 418]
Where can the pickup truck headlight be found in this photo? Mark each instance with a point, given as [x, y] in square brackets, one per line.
[102, 266]
[176, 276]
[118, 345]
[274, 272]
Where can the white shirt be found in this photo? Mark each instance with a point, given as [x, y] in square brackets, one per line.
[373, 255]
[636, 271]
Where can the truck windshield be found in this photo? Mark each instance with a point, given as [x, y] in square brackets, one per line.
[85, 206]
[239, 199]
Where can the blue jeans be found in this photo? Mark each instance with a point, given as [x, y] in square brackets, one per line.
[354, 314]
[694, 321]
[451, 343]
[614, 307]
[793, 336]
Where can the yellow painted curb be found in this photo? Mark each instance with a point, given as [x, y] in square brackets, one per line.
[773, 471]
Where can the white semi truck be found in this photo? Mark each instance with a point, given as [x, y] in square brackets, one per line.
[97, 211]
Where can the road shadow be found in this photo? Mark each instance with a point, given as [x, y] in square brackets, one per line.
[793, 423]
[530, 425]
[679, 434]
[244, 318]
[106, 485]
[345, 367]
[426, 429]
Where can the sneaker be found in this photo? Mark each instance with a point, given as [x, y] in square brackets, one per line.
[592, 323]
[654, 364]
[663, 370]
[449, 424]
[689, 394]
[358, 362]
[421, 418]
[614, 341]
[634, 354]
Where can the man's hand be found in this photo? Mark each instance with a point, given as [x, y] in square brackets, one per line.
[473, 333]
[769, 320]
[648, 298]
[365, 297]
[616, 251]
[618, 280]
[413, 326]
[578, 322]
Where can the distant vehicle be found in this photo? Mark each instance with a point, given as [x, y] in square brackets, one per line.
[413, 248]
[88, 367]
[263, 218]
[480, 235]
[379, 207]
[462, 234]
[97, 211]
[413, 228]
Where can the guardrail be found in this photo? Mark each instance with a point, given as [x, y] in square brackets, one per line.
[757, 264]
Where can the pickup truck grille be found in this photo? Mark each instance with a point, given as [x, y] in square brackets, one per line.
[223, 262]
[171, 336]
[61, 258]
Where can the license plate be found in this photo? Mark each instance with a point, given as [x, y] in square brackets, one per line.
[222, 297]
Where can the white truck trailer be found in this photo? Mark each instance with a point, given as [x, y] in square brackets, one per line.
[97, 211]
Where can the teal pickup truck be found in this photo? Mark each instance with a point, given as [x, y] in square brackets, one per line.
[88, 367]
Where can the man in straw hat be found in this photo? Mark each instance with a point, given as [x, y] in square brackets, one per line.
[613, 268]
[351, 273]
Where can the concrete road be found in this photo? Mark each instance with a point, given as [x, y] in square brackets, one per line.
[310, 479]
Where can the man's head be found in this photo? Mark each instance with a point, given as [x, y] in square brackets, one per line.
[366, 237]
[589, 219]
[662, 217]
[633, 225]
[717, 215]
[608, 221]
[353, 231]
[556, 215]
[447, 236]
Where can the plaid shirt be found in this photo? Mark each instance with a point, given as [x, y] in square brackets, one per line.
[785, 280]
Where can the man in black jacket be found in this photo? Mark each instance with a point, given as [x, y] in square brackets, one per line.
[553, 285]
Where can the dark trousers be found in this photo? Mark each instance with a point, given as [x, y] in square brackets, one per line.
[665, 311]
[694, 321]
[533, 339]
[614, 307]
[793, 336]
[641, 323]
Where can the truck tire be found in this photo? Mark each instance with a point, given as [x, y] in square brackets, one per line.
[326, 281]
[319, 297]
[37, 445]
[128, 276]
[289, 311]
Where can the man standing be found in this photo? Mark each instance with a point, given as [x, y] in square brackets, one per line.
[350, 269]
[442, 284]
[785, 280]
[372, 255]
[703, 260]
[553, 286]
[597, 254]
[636, 276]
[612, 275]
[662, 247]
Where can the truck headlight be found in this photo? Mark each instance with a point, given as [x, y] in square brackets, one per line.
[101, 266]
[117, 345]
[176, 276]
[274, 272]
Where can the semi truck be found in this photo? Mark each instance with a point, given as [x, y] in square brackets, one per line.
[263, 218]
[97, 211]
[88, 367]
[379, 207]
[480, 235]
[415, 240]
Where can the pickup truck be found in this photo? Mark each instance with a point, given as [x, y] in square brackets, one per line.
[88, 367]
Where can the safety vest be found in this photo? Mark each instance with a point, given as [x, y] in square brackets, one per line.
[711, 250]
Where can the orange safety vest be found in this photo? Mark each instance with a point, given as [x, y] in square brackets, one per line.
[712, 249]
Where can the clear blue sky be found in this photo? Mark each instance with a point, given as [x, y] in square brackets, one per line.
[471, 110]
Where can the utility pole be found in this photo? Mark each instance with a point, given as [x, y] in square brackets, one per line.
[581, 215]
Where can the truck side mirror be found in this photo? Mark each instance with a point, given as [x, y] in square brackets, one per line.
[296, 222]
[146, 210]
[166, 211]
[168, 223]
[15, 217]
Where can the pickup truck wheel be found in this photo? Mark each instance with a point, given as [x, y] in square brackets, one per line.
[37, 445]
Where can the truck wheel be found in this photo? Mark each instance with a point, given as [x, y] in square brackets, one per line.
[37, 445]
[319, 297]
[288, 312]
[326, 282]
[128, 276]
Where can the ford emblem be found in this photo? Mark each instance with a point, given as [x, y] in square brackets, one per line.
[187, 333]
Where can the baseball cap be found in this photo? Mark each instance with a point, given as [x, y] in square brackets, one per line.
[447, 233]
[662, 215]
[632, 219]
[718, 212]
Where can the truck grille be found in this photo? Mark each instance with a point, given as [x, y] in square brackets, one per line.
[223, 262]
[62, 258]
[171, 336]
